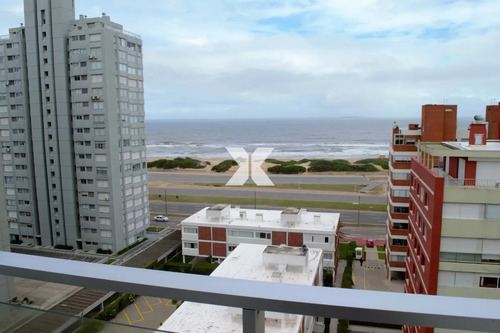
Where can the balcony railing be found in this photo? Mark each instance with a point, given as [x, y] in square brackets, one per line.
[255, 297]
[464, 182]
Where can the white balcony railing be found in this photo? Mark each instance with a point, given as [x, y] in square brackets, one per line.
[255, 297]
[465, 182]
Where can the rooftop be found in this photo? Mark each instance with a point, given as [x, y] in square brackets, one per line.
[268, 219]
[246, 263]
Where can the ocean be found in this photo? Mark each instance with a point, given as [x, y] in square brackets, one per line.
[290, 138]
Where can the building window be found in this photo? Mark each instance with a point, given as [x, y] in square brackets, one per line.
[240, 233]
[398, 139]
[190, 230]
[399, 242]
[189, 245]
[410, 142]
[400, 210]
[95, 37]
[402, 159]
[401, 193]
[264, 235]
[489, 282]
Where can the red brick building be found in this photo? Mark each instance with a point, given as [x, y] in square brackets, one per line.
[439, 123]
[454, 218]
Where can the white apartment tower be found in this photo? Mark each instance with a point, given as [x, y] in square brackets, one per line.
[72, 134]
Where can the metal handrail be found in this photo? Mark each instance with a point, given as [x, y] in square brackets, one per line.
[254, 297]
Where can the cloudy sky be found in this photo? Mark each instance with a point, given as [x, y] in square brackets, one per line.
[308, 58]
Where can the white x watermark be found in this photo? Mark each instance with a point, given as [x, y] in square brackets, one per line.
[249, 167]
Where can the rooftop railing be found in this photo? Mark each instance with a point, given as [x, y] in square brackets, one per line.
[255, 297]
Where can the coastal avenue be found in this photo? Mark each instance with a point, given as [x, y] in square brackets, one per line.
[193, 177]
[188, 208]
[180, 183]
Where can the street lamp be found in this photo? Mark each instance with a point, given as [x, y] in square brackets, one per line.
[165, 198]
[358, 203]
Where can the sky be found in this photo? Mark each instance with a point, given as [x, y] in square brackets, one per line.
[307, 58]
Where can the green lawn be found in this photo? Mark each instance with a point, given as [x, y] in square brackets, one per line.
[269, 202]
[314, 187]
[154, 229]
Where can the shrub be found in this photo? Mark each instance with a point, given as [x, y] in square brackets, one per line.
[273, 161]
[189, 163]
[224, 166]
[131, 246]
[101, 251]
[152, 264]
[343, 326]
[327, 278]
[90, 327]
[63, 247]
[163, 164]
[16, 241]
[174, 266]
[320, 166]
[383, 162]
[116, 306]
[339, 165]
[287, 169]
[204, 268]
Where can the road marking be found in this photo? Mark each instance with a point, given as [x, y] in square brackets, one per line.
[159, 301]
[140, 314]
[150, 307]
[126, 315]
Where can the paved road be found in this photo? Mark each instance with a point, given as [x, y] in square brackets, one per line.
[269, 193]
[180, 177]
[187, 208]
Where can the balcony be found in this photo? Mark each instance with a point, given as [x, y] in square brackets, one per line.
[399, 229]
[255, 297]
[398, 248]
[397, 264]
[465, 182]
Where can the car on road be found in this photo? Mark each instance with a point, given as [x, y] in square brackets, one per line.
[161, 218]
[370, 242]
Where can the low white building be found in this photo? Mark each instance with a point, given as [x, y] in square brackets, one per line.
[216, 231]
[255, 262]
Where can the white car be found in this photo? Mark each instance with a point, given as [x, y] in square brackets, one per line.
[161, 218]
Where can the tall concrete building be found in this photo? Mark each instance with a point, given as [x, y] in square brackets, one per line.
[72, 130]
[439, 123]
[454, 219]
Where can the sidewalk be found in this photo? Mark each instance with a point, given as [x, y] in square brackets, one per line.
[372, 275]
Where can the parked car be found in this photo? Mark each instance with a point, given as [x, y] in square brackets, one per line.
[370, 242]
[161, 218]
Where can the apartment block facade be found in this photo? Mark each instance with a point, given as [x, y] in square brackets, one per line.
[439, 123]
[216, 231]
[454, 219]
[72, 130]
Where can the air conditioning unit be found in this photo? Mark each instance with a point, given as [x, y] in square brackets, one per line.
[7, 150]
[95, 98]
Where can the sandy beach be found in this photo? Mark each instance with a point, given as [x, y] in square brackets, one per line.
[215, 161]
